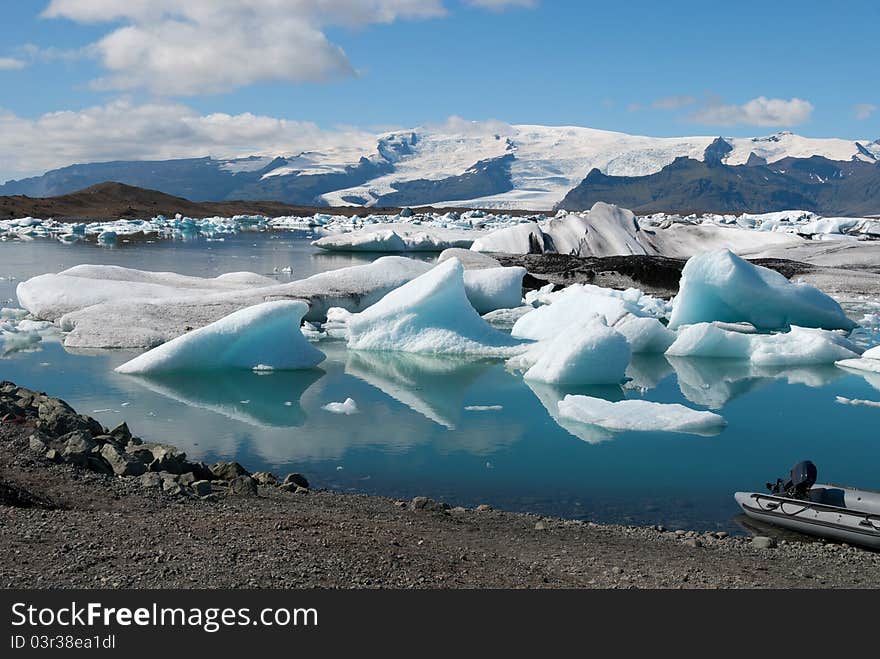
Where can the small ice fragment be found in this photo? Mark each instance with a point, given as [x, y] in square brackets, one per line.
[348, 406]
[857, 401]
[483, 408]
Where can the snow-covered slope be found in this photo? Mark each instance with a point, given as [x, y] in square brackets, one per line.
[550, 160]
[459, 163]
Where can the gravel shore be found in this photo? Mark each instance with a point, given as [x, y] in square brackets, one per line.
[64, 525]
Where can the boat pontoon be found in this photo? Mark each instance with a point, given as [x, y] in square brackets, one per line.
[844, 514]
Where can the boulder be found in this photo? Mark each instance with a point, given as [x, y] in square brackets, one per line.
[265, 478]
[243, 486]
[296, 479]
[120, 462]
[121, 433]
[202, 488]
[227, 471]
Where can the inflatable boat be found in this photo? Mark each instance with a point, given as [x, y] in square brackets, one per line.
[843, 514]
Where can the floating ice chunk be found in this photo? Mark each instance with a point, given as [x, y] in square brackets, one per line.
[489, 289]
[645, 335]
[107, 238]
[856, 401]
[11, 313]
[869, 361]
[348, 407]
[267, 334]
[132, 308]
[538, 297]
[588, 354]
[50, 296]
[506, 318]
[430, 314]
[639, 415]
[801, 345]
[484, 408]
[15, 341]
[573, 306]
[470, 259]
[721, 286]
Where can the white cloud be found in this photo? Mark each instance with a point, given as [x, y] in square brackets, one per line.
[11, 64]
[500, 5]
[864, 110]
[761, 111]
[673, 102]
[122, 131]
[208, 46]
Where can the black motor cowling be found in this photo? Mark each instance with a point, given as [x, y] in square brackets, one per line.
[801, 478]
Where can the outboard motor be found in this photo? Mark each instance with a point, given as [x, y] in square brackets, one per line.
[801, 478]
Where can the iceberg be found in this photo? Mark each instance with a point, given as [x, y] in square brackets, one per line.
[639, 415]
[800, 345]
[574, 306]
[721, 286]
[490, 289]
[347, 407]
[398, 237]
[110, 307]
[267, 335]
[431, 314]
[591, 354]
[869, 361]
[629, 312]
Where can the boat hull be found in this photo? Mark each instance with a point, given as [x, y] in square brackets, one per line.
[843, 524]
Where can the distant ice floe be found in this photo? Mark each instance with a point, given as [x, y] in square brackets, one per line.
[265, 335]
[720, 286]
[639, 415]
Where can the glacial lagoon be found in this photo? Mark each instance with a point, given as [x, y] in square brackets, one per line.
[464, 431]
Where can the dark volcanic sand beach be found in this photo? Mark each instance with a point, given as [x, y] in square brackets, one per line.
[65, 526]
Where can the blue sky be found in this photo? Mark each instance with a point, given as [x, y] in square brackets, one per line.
[673, 68]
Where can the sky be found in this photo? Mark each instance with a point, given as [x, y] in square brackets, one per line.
[91, 80]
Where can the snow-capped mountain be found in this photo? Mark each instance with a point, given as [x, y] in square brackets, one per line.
[459, 164]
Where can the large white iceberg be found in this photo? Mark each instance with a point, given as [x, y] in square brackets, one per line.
[431, 314]
[721, 286]
[639, 415]
[110, 307]
[267, 336]
[800, 345]
[590, 354]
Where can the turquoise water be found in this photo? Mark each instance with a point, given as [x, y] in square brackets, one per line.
[414, 434]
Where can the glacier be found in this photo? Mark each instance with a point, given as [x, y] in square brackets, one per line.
[266, 335]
